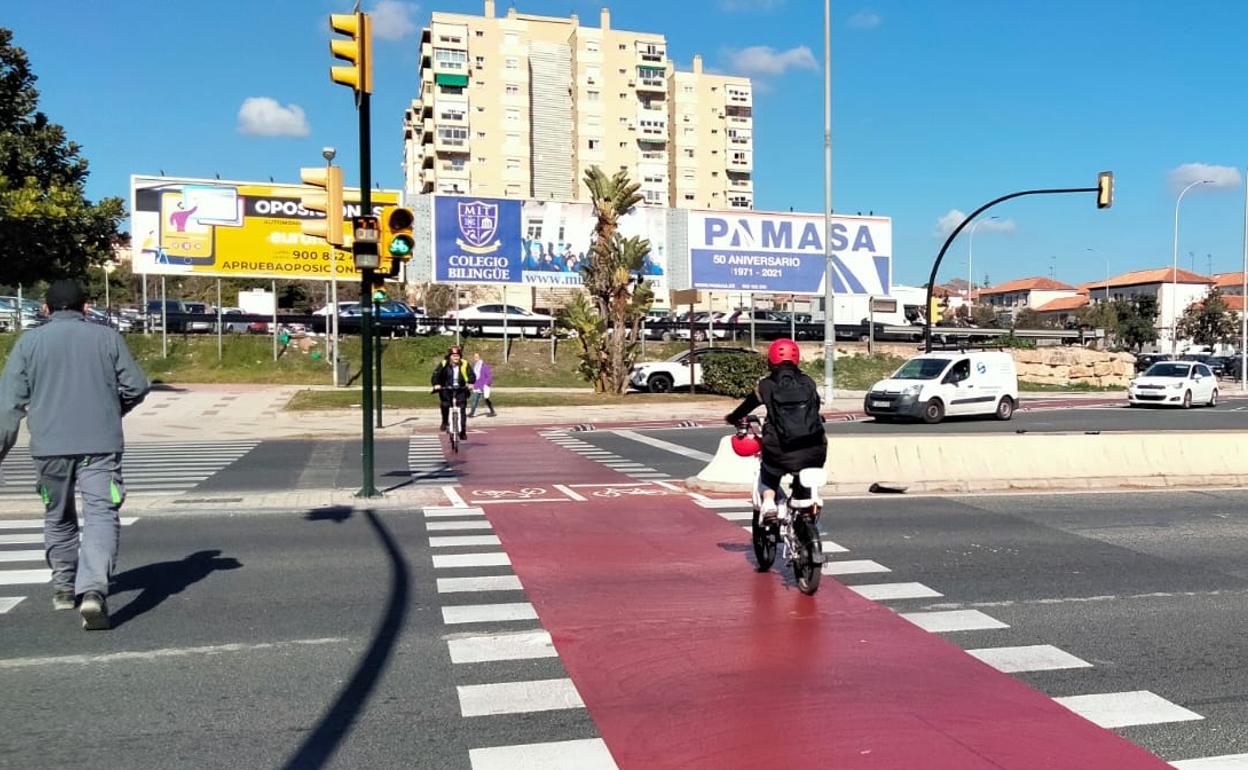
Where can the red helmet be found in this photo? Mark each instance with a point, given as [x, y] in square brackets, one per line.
[747, 445]
[783, 350]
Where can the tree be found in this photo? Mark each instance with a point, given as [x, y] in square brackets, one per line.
[1209, 323]
[48, 229]
[1030, 318]
[1137, 321]
[607, 319]
[984, 316]
[439, 299]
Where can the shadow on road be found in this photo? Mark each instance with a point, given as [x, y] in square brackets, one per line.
[157, 582]
[336, 723]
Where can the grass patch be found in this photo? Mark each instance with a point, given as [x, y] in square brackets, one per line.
[856, 372]
[1080, 387]
[408, 399]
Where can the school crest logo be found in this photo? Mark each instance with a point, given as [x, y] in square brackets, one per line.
[478, 224]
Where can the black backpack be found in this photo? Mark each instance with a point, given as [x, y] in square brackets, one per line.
[793, 408]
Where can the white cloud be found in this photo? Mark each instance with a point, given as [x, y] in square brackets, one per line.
[392, 20]
[954, 217]
[1220, 176]
[749, 5]
[865, 20]
[262, 116]
[764, 61]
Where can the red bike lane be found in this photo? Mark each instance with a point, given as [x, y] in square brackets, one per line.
[687, 658]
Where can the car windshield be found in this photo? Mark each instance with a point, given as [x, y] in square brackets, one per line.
[1168, 369]
[921, 369]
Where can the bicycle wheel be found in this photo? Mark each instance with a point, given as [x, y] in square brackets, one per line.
[455, 429]
[807, 569]
[764, 544]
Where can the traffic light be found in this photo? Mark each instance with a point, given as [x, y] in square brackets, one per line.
[934, 311]
[358, 75]
[1104, 189]
[397, 241]
[329, 202]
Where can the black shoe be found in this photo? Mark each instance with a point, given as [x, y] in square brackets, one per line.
[463, 435]
[444, 427]
[64, 599]
[493, 414]
[94, 612]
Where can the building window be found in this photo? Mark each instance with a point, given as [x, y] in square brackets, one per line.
[452, 136]
[688, 152]
[513, 190]
[480, 159]
[451, 90]
[623, 145]
[689, 89]
[480, 62]
[623, 121]
[513, 164]
[513, 115]
[513, 137]
[738, 201]
[688, 196]
[714, 173]
[513, 63]
[593, 96]
[593, 144]
[591, 46]
[623, 47]
[480, 33]
[480, 134]
[447, 59]
[592, 74]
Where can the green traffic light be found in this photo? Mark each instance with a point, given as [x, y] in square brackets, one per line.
[400, 247]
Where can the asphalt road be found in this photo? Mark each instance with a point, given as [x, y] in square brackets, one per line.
[314, 639]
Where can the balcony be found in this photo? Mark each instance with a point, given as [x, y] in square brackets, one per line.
[740, 161]
[651, 53]
[453, 113]
[654, 156]
[452, 170]
[455, 141]
[426, 54]
[737, 184]
[653, 79]
[739, 139]
[426, 127]
[739, 96]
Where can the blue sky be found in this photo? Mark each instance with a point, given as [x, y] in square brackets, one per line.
[937, 108]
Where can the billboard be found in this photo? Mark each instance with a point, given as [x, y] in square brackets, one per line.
[234, 229]
[534, 243]
[783, 253]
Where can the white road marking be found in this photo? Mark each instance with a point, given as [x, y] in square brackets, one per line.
[22, 539]
[518, 697]
[446, 526]
[488, 613]
[458, 540]
[567, 491]
[853, 567]
[1225, 762]
[882, 592]
[523, 645]
[667, 485]
[712, 502]
[451, 560]
[953, 620]
[492, 583]
[167, 652]
[738, 515]
[667, 446]
[585, 754]
[38, 523]
[23, 576]
[12, 556]
[448, 513]
[1123, 709]
[454, 497]
[1033, 657]
[9, 602]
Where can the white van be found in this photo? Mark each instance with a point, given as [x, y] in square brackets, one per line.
[935, 385]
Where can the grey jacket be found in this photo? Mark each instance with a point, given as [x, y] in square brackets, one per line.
[74, 380]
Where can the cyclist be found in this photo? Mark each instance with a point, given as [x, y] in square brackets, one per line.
[453, 377]
[793, 435]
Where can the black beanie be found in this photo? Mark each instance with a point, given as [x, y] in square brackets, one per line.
[65, 294]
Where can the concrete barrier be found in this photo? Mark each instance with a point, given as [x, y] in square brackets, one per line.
[1011, 461]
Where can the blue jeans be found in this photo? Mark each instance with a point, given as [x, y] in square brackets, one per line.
[476, 399]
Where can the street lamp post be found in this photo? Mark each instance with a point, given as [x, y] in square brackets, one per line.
[1174, 287]
[829, 292]
[970, 261]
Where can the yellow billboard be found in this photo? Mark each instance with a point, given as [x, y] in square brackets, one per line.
[235, 229]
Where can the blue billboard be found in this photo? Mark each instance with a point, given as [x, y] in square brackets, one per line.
[476, 240]
[783, 253]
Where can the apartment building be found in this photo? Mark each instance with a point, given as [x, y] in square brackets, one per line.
[521, 106]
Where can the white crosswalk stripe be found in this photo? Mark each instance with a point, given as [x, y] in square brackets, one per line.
[426, 462]
[23, 567]
[611, 460]
[147, 468]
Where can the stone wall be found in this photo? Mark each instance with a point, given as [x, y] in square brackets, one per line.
[1071, 365]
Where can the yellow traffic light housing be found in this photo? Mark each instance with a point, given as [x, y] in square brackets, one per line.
[358, 50]
[1104, 189]
[329, 203]
[934, 311]
[397, 240]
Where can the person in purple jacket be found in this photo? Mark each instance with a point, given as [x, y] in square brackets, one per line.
[481, 388]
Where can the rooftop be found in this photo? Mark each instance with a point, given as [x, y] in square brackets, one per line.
[1155, 275]
[1037, 283]
[1064, 304]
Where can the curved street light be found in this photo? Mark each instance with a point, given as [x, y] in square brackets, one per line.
[1174, 276]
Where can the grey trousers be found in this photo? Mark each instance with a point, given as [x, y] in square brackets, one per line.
[85, 563]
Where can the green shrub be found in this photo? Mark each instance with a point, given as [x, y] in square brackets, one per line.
[733, 374]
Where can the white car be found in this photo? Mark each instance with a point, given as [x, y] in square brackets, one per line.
[1174, 383]
[673, 374]
[704, 323]
[935, 385]
[488, 320]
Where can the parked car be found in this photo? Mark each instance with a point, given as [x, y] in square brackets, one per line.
[200, 325]
[768, 324]
[233, 326]
[660, 325]
[935, 385]
[171, 307]
[1174, 383]
[392, 317]
[705, 325]
[487, 320]
[1230, 367]
[1146, 360]
[1214, 363]
[31, 312]
[665, 376]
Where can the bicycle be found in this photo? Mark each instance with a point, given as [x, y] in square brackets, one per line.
[796, 525]
[456, 424]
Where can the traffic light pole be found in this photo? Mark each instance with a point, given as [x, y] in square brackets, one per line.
[377, 315]
[931, 281]
[368, 489]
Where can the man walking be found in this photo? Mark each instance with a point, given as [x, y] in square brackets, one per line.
[74, 381]
[481, 388]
